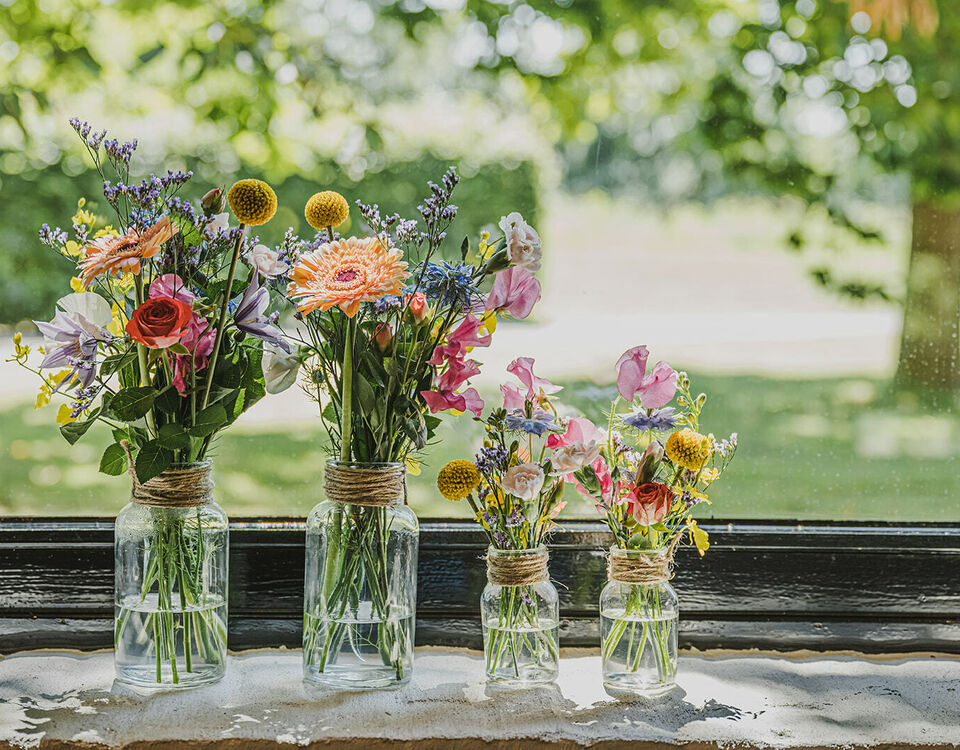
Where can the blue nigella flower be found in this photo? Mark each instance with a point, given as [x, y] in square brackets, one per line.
[658, 420]
[536, 424]
[450, 285]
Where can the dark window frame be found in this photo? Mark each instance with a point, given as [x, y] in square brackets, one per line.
[778, 585]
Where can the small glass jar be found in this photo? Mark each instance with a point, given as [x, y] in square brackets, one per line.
[170, 594]
[638, 630]
[360, 591]
[521, 626]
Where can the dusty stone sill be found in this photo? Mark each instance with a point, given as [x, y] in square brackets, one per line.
[55, 700]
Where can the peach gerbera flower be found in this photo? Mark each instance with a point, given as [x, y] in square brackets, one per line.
[345, 273]
[119, 254]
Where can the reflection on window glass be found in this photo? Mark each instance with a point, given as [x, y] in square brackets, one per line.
[762, 192]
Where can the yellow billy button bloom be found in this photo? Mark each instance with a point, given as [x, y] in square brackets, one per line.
[326, 209]
[458, 479]
[253, 202]
[688, 449]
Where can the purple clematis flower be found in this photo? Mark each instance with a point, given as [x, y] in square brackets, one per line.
[250, 318]
[73, 336]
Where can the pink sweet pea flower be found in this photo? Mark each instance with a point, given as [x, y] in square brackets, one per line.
[458, 372]
[469, 400]
[512, 397]
[515, 292]
[579, 430]
[199, 340]
[656, 389]
[171, 285]
[522, 367]
[604, 477]
[459, 340]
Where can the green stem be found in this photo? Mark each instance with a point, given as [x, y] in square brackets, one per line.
[228, 289]
[346, 417]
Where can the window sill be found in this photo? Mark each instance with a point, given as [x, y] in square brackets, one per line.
[748, 699]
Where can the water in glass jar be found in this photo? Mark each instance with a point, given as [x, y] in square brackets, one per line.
[639, 653]
[170, 648]
[360, 650]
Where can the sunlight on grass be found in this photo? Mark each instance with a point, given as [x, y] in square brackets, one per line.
[811, 449]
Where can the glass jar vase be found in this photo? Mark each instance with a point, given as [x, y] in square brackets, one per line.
[170, 594]
[638, 628]
[520, 616]
[360, 587]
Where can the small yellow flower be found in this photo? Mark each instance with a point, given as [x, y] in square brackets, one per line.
[107, 231]
[83, 217]
[709, 475]
[688, 449]
[458, 479]
[72, 249]
[698, 536]
[326, 209]
[65, 415]
[253, 202]
[76, 284]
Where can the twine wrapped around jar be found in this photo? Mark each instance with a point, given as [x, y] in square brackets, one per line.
[518, 570]
[642, 568]
[379, 485]
[185, 486]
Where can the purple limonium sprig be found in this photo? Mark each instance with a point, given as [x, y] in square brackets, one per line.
[491, 459]
[515, 519]
[249, 316]
[659, 420]
[538, 423]
[52, 237]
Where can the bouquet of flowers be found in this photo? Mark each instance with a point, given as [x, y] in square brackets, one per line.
[653, 468]
[518, 478]
[161, 342]
[386, 330]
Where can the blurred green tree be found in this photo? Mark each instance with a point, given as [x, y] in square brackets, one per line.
[307, 95]
[817, 99]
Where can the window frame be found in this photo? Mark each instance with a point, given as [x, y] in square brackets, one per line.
[779, 585]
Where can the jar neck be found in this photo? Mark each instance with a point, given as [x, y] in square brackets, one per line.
[517, 567]
[358, 483]
[181, 485]
[640, 567]
[499, 553]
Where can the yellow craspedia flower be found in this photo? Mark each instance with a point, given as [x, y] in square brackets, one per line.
[253, 202]
[688, 449]
[326, 209]
[458, 479]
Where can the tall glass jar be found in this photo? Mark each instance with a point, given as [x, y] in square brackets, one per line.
[170, 597]
[360, 587]
[638, 623]
[520, 615]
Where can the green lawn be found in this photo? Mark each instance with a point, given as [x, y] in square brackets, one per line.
[841, 449]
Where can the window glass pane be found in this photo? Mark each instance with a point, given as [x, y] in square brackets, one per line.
[762, 192]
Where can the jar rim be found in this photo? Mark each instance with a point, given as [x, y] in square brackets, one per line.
[333, 461]
[497, 551]
[621, 552]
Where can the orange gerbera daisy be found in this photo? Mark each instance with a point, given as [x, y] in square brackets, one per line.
[116, 255]
[346, 273]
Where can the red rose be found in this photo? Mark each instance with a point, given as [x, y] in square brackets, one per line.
[650, 502]
[159, 322]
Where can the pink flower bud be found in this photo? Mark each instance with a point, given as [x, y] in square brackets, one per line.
[383, 336]
[212, 201]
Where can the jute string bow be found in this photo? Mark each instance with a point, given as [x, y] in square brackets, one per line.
[518, 570]
[642, 568]
[182, 487]
[381, 485]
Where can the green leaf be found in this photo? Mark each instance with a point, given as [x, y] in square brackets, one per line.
[364, 394]
[169, 401]
[147, 56]
[329, 413]
[114, 460]
[116, 362]
[173, 436]
[208, 421]
[178, 348]
[152, 459]
[73, 431]
[464, 248]
[132, 403]
[231, 370]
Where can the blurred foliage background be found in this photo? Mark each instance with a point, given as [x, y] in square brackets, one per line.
[840, 116]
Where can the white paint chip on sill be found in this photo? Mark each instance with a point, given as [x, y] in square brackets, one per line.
[729, 698]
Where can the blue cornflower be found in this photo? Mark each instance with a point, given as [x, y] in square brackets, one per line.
[536, 424]
[657, 419]
[450, 285]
